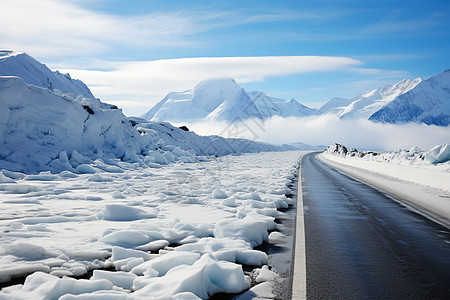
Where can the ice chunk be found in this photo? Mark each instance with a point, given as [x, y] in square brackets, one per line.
[275, 236]
[119, 253]
[125, 237]
[120, 279]
[45, 286]
[20, 188]
[98, 295]
[127, 264]
[158, 157]
[99, 178]
[438, 154]
[4, 179]
[165, 262]
[247, 229]
[260, 291]
[18, 269]
[85, 169]
[118, 195]
[206, 277]
[251, 257]
[119, 212]
[154, 245]
[78, 159]
[26, 250]
[219, 194]
[67, 174]
[12, 175]
[264, 274]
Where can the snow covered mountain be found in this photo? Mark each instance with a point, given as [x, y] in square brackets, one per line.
[45, 130]
[368, 102]
[428, 102]
[218, 99]
[222, 100]
[20, 64]
[270, 106]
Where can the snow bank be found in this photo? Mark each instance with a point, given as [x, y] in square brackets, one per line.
[439, 156]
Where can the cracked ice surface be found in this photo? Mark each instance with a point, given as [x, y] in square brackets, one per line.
[178, 231]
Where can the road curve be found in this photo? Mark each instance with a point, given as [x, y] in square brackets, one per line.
[361, 244]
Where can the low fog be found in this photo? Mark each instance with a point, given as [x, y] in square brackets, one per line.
[326, 130]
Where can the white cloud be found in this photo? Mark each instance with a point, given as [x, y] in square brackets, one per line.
[326, 130]
[63, 28]
[149, 81]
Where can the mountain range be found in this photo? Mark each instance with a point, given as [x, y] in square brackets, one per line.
[420, 101]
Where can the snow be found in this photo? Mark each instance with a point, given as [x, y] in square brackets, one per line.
[170, 235]
[15, 63]
[438, 154]
[427, 103]
[43, 131]
[222, 100]
[120, 212]
[45, 286]
[271, 106]
[368, 102]
[264, 274]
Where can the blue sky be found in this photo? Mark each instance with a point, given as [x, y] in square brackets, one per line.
[132, 53]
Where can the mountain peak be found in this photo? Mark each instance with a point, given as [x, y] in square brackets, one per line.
[217, 84]
[8, 53]
[20, 64]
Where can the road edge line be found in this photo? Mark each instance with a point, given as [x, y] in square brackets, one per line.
[299, 274]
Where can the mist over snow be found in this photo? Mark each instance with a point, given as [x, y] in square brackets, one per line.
[328, 129]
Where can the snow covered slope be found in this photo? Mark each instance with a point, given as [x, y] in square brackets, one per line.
[270, 106]
[44, 131]
[368, 102]
[335, 105]
[223, 100]
[428, 102]
[218, 99]
[13, 63]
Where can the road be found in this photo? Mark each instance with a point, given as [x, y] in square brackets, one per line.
[361, 244]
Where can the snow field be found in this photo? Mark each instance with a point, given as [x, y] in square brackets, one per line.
[182, 231]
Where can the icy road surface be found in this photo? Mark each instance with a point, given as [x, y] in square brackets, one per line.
[361, 244]
[183, 230]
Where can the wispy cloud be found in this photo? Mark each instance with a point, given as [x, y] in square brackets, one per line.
[61, 28]
[393, 26]
[149, 81]
[49, 28]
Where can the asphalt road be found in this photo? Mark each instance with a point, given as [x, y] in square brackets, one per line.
[361, 244]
